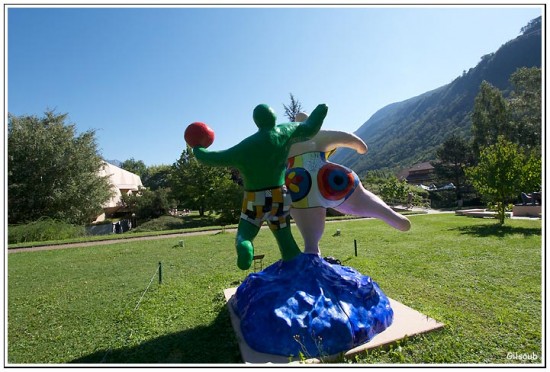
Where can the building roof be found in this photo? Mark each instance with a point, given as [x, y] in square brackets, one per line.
[120, 179]
[426, 166]
[417, 173]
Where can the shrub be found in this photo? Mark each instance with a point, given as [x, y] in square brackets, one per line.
[160, 224]
[44, 229]
[147, 204]
[443, 199]
[175, 223]
[393, 191]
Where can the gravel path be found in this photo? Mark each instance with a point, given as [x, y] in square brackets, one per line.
[113, 241]
[155, 237]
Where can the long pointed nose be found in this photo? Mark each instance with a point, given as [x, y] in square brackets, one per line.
[365, 204]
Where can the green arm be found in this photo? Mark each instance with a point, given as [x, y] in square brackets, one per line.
[224, 158]
[312, 125]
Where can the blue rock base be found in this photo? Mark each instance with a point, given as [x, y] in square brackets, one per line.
[311, 307]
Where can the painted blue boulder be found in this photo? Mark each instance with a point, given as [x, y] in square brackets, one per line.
[310, 306]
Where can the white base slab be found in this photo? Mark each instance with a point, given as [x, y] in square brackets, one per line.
[406, 322]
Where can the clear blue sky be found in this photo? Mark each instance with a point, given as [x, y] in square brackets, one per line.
[139, 76]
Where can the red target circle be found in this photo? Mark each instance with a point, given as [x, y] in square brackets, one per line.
[335, 182]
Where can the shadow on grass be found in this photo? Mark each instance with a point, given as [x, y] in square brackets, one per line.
[215, 343]
[498, 230]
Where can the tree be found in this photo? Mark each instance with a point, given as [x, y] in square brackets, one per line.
[375, 178]
[157, 176]
[532, 173]
[147, 204]
[293, 109]
[499, 175]
[517, 118]
[525, 108]
[199, 186]
[52, 172]
[135, 166]
[489, 118]
[533, 25]
[227, 197]
[392, 190]
[153, 177]
[452, 156]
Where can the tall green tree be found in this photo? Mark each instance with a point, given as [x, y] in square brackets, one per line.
[518, 117]
[52, 171]
[201, 187]
[152, 177]
[135, 166]
[157, 176]
[227, 197]
[452, 156]
[489, 118]
[499, 175]
[525, 108]
[293, 108]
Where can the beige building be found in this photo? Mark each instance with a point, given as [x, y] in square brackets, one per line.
[122, 182]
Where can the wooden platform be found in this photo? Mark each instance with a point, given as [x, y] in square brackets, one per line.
[406, 322]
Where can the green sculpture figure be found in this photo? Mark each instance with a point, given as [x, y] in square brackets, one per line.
[261, 159]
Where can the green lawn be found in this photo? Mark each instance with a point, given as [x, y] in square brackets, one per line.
[77, 305]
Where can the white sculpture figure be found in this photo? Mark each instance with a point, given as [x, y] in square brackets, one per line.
[316, 184]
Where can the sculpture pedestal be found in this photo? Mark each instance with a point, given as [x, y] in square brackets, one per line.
[309, 308]
[407, 322]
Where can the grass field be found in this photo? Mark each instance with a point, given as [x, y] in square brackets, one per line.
[164, 225]
[78, 305]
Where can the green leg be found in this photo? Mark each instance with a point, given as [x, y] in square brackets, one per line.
[246, 232]
[287, 245]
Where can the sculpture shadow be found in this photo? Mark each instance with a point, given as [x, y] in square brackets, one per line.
[497, 230]
[212, 344]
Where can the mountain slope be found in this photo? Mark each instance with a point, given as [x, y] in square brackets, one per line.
[404, 133]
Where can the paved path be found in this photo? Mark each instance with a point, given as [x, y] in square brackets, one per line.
[114, 241]
[164, 236]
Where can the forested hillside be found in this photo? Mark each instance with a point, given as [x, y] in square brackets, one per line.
[404, 133]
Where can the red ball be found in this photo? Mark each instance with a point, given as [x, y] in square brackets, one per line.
[199, 134]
